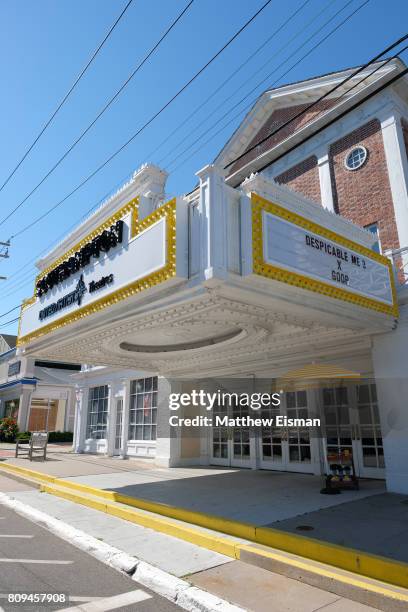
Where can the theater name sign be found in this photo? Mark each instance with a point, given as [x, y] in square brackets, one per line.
[121, 258]
[125, 256]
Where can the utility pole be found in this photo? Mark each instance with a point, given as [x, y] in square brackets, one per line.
[4, 252]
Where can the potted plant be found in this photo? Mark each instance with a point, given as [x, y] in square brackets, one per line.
[8, 429]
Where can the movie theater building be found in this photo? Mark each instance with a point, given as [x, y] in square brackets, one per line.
[285, 267]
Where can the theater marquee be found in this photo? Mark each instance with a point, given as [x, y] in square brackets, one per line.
[289, 248]
[121, 257]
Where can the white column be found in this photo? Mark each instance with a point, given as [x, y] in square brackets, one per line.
[168, 438]
[81, 414]
[213, 233]
[125, 417]
[397, 164]
[326, 191]
[24, 407]
[390, 359]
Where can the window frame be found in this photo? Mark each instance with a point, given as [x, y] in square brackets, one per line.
[94, 399]
[143, 407]
[350, 152]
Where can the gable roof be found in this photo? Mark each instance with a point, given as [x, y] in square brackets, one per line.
[9, 339]
[302, 93]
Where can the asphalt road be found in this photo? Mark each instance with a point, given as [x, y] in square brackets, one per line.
[34, 561]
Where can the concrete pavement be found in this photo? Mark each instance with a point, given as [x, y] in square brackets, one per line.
[273, 496]
[37, 564]
[249, 587]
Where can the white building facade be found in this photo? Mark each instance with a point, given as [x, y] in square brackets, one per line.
[243, 282]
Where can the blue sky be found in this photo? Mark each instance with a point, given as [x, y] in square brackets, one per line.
[45, 44]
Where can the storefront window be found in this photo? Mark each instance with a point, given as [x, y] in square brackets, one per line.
[143, 409]
[97, 412]
[11, 408]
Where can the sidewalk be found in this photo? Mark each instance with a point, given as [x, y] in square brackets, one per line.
[257, 497]
[287, 503]
[249, 587]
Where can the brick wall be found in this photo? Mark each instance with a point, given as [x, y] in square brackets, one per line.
[364, 195]
[278, 118]
[304, 178]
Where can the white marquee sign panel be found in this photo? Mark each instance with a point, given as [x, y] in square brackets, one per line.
[308, 253]
[293, 249]
[83, 282]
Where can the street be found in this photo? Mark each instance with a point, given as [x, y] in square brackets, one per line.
[35, 562]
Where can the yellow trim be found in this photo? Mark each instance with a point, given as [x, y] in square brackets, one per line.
[167, 211]
[355, 561]
[261, 267]
[129, 207]
[348, 579]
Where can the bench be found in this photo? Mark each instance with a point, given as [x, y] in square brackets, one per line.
[37, 444]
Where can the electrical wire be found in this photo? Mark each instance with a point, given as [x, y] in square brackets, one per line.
[251, 103]
[320, 99]
[98, 116]
[146, 124]
[344, 94]
[66, 96]
[228, 79]
[241, 87]
[374, 59]
[8, 322]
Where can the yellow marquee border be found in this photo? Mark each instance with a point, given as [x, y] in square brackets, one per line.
[261, 267]
[167, 211]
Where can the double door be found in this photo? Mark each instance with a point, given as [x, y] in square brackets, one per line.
[231, 446]
[288, 448]
[351, 422]
[277, 448]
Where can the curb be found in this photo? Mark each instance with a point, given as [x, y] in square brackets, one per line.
[367, 565]
[172, 588]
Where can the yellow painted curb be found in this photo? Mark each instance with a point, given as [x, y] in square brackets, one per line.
[369, 565]
[379, 589]
[25, 472]
[356, 561]
[188, 533]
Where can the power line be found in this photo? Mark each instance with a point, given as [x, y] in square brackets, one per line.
[320, 99]
[99, 115]
[345, 93]
[11, 310]
[371, 94]
[64, 234]
[257, 86]
[147, 123]
[8, 322]
[253, 74]
[341, 115]
[248, 106]
[215, 91]
[66, 96]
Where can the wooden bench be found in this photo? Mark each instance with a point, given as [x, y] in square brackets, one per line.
[37, 444]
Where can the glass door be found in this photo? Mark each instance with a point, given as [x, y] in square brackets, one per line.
[352, 424]
[290, 448]
[230, 446]
[369, 441]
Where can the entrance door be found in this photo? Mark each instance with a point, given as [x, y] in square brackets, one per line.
[43, 415]
[230, 446]
[369, 441]
[290, 449]
[351, 422]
